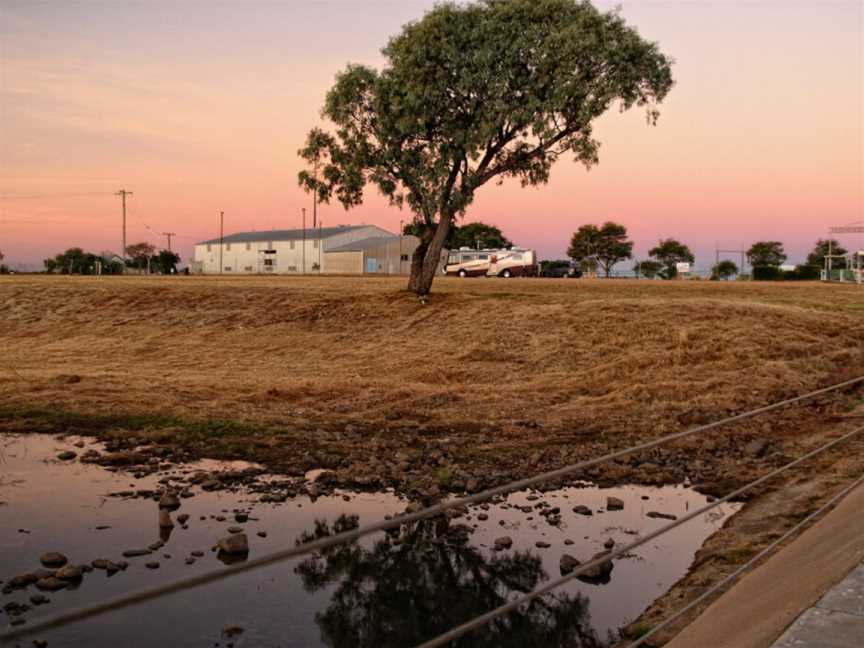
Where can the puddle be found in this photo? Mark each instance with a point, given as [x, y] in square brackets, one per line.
[386, 590]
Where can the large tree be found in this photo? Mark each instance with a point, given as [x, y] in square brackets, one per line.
[140, 253]
[766, 254]
[822, 249]
[670, 252]
[726, 269]
[607, 245]
[478, 92]
[467, 235]
[648, 268]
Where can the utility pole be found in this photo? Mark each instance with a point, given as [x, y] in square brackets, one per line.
[320, 246]
[221, 238]
[400, 247]
[123, 193]
[315, 195]
[169, 235]
[303, 254]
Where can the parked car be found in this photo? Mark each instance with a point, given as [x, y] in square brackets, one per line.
[561, 269]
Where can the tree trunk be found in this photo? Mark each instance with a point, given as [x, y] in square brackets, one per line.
[424, 263]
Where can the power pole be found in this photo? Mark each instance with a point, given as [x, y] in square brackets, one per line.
[123, 193]
[315, 195]
[303, 253]
[169, 235]
[320, 247]
[221, 238]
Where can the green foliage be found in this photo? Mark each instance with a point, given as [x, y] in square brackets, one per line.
[816, 258]
[607, 245]
[72, 261]
[726, 269]
[475, 92]
[669, 252]
[165, 262]
[767, 254]
[808, 272]
[766, 273]
[464, 236]
[648, 268]
[139, 254]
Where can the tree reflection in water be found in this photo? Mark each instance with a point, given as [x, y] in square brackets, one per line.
[425, 578]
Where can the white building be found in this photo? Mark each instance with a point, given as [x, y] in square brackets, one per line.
[346, 249]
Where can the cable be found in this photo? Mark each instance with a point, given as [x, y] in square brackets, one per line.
[735, 574]
[382, 525]
[483, 619]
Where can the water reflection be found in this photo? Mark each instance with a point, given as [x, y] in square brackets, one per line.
[425, 578]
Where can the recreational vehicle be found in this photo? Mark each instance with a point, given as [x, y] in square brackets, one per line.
[514, 262]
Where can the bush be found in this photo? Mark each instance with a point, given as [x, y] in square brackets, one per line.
[4, 269]
[766, 273]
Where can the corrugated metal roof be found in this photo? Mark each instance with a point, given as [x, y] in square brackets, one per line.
[285, 235]
[363, 244]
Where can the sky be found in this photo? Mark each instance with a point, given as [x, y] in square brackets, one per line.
[199, 107]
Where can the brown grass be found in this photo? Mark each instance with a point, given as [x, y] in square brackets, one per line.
[515, 355]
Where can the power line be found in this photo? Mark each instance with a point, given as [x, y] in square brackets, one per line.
[759, 556]
[382, 525]
[483, 619]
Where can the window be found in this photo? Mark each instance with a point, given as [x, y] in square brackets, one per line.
[292, 268]
[453, 258]
[247, 268]
[404, 257]
[227, 268]
[468, 257]
[268, 263]
[484, 257]
[292, 244]
[248, 246]
[315, 244]
[209, 248]
[227, 247]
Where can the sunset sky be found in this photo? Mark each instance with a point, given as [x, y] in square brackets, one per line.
[198, 107]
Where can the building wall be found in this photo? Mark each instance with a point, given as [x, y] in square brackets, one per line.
[392, 257]
[343, 262]
[250, 258]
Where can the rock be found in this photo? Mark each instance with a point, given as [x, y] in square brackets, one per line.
[568, 563]
[757, 447]
[122, 565]
[581, 509]
[156, 546]
[600, 572]
[482, 517]
[235, 529]
[23, 580]
[241, 517]
[39, 599]
[44, 573]
[169, 500]
[614, 504]
[661, 516]
[540, 544]
[101, 563]
[134, 553]
[152, 565]
[165, 521]
[472, 485]
[190, 560]
[70, 573]
[232, 631]
[51, 584]
[67, 455]
[211, 485]
[53, 559]
[568, 541]
[262, 534]
[183, 518]
[609, 543]
[234, 545]
[197, 553]
[504, 542]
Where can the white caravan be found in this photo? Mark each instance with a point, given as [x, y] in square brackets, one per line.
[515, 262]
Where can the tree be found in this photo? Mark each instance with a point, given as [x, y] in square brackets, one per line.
[764, 254]
[4, 269]
[648, 269]
[607, 244]
[821, 250]
[724, 270]
[478, 92]
[670, 252]
[165, 262]
[487, 236]
[140, 253]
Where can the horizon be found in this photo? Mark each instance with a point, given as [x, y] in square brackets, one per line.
[199, 109]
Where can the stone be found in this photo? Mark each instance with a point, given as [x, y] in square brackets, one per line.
[568, 542]
[39, 599]
[134, 553]
[599, 572]
[152, 565]
[169, 500]
[67, 455]
[156, 546]
[581, 509]
[757, 447]
[23, 580]
[70, 573]
[232, 631]
[614, 504]
[541, 544]
[262, 534]
[234, 545]
[661, 516]
[101, 563]
[568, 563]
[183, 518]
[53, 559]
[482, 517]
[609, 543]
[190, 560]
[197, 553]
[241, 517]
[504, 542]
[51, 584]
[235, 529]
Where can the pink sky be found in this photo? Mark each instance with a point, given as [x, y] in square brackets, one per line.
[201, 107]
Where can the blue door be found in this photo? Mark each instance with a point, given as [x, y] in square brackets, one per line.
[371, 265]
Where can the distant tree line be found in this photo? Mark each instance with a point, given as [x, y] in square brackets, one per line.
[142, 256]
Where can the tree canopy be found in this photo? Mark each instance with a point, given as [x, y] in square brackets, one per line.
[816, 258]
[764, 254]
[467, 235]
[607, 245]
[476, 92]
[670, 252]
[648, 268]
[724, 270]
[140, 253]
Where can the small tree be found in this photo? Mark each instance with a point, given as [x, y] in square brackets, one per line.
[766, 254]
[648, 268]
[726, 269]
[478, 92]
[140, 253]
[4, 269]
[608, 245]
[821, 250]
[165, 262]
[669, 253]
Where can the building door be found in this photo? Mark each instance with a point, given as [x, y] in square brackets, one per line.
[371, 265]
